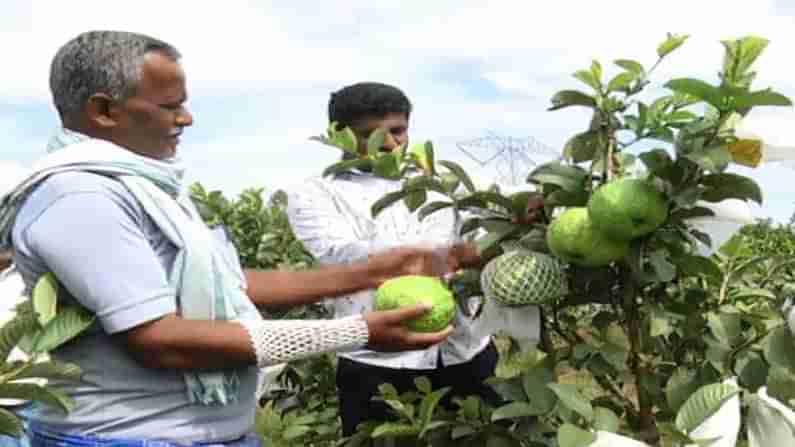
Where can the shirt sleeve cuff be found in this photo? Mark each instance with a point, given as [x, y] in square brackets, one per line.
[129, 315]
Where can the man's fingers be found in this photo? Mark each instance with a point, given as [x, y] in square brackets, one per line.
[407, 312]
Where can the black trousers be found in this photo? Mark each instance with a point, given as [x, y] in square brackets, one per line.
[357, 384]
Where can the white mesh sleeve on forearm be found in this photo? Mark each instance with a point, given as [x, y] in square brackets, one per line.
[284, 340]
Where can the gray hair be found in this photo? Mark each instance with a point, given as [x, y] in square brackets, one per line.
[106, 62]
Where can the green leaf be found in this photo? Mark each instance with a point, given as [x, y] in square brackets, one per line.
[423, 384]
[428, 406]
[734, 246]
[688, 213]
[450, 182]
[46, 395]
[388, 391]
[779, 348]
[659, 323]
[671, 43]
[491, 239]
[461, 431]
[493, 198]
[415, 199]
[388, 200]
[751, 370]
[470, 407]
[657, 161]
[69, 322]
[596, 70]
[572, 436]
[423, 155]
[10, 424]
[534, 383]
[432, 207]
[567, 98]
[616, 336]
[404, 409]
[584, 146]
[295, 431]
[568, 178]
[712, 159]
[387, 165]
[759, 98]
[588, 78]
[680, 116]
[720, 187]
[703, 404]
[459, 172]
[699, 266]
[781, 383]
[13, 331]
[394, 429]
[347, 166]
[344, 139]
[738, 57]
[744, 293]
[514, 410]
[682, 384]
[375, 142]
[630, 65]
[509, 389]
[50, 370]
[621, 82]
[664, 271]
[697, 89]
[45, 298]
[570, 396]
[605, 419]
[725, 327]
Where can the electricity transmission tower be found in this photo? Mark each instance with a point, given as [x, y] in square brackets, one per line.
[513, 157]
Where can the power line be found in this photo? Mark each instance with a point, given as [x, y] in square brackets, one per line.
[512, 157]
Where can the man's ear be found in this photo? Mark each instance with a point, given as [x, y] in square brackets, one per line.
[101, 111]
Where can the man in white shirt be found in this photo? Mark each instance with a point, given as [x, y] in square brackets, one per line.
[331, 216]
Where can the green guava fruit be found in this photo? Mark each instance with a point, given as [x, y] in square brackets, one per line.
[415, 289]
[573, 238]
[627, 208]
[522, 277]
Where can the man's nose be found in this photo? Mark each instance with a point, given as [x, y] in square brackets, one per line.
[390, 142]
[184, 118]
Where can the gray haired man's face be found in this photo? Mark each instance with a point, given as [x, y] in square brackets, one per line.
[151, 121]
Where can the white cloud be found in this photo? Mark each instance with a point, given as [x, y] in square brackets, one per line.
[468, 65]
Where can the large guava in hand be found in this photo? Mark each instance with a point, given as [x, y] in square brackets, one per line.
[627, 208]
[409, 290]
[573, 238]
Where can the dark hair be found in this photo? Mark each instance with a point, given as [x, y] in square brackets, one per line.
[100, 62]
[365, 100]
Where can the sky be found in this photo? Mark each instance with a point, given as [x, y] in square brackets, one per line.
[260, 73]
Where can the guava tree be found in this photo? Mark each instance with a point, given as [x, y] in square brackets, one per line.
[645, 329]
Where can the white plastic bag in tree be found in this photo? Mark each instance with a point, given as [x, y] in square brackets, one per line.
[522, 323]
[266, 382]
[608, 439]
[751, 149]
[730, 216]
[770, 422]
[724, 425]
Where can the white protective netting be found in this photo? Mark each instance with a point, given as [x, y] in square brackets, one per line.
[277, 341]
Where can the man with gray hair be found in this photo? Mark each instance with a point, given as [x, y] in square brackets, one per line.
[175, 352]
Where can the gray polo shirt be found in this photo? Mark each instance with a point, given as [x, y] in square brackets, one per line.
[101, 245]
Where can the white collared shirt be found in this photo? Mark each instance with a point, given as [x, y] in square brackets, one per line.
[331, 216]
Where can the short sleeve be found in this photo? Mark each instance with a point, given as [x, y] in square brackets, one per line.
[96, 247]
